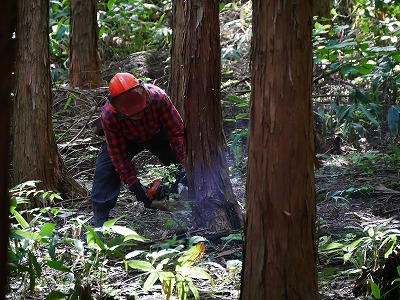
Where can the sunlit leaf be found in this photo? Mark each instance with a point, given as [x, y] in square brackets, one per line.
[197, 272]
[141, 265]
[190, 255]
[331, 246]
[47, 229]
[56, 265]
[193, 289]
[27, 235]
[153, 277]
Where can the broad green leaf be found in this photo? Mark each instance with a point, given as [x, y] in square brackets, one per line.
[353, 245]
[110, 223]
[93, 240]
[344, 44]
[194, 290]
[383, 49]
[393, 120]
[128, 233]
[53, 246]
[141, 265]
[110, 4]
[196, 272]
[190, 255]
[56, 265]
[368, 114]
[238, 99]
[34, 263]
[54, 195]
[20, 219]
[331, 246]
[133, 254]
[28, 235]
[47, 229]
[347, 69]
[375, 289]
[153, 277]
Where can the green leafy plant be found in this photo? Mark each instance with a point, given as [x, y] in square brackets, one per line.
[360, 65]
[174, 269]
[39, 245]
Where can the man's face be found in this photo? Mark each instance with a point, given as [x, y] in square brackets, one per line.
[132, 102]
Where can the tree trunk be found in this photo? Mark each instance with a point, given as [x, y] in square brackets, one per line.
[35, 155]
[322, 8]
[7, 27]
[85, 65]
[177, 63]
[216, 207]
[280, 254]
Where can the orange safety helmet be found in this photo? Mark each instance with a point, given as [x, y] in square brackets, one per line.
[128, 94]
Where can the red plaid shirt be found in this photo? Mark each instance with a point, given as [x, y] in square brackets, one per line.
[160, 115]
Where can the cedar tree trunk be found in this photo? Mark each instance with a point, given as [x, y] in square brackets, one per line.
[85, 65]
[216, 207]
[177, 54]
[280, 254]
[35, 154]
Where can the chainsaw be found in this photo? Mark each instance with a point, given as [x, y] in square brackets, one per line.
[161, 189]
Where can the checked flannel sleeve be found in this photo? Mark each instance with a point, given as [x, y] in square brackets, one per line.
[116, 145]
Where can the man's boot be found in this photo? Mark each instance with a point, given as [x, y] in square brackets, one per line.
[100, 215]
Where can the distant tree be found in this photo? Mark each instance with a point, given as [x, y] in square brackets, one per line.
[322, 8]
[280, 255]
[215, 206]
[85, 64]
[177, 63]
[8, 14]
[34, 150]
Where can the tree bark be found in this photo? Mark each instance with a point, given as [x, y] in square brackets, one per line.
[35, 154]
[216, 207]
[85, 64]
[177, 63]
[7, 27]
[280, 254]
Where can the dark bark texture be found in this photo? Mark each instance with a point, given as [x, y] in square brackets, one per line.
[280, 257]
[215, 205]
[35, 154]
[85, 64]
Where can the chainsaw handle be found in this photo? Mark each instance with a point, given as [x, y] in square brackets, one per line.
[152, 190]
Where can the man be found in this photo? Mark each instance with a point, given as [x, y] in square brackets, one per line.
[136, 117]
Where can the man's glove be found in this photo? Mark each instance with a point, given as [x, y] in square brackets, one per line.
[140, 192]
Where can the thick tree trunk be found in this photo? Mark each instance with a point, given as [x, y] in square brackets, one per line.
[280, 254]
[34, 151]
[177, 54]
[215, 206]
[7, 27]
[85, 65]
